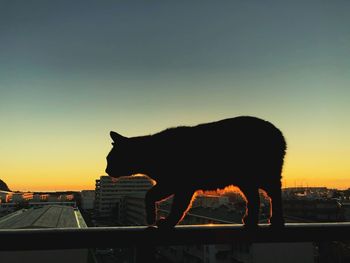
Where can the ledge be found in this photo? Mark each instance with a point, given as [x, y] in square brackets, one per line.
[139, 236]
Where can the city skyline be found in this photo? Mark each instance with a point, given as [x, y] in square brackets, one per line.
[72, 72]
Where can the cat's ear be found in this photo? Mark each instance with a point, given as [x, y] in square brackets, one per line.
[116, 137]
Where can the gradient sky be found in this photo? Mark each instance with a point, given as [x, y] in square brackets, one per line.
[71, 71]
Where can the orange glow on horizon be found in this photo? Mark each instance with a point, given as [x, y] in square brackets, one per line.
[89, 184]
[303, 170]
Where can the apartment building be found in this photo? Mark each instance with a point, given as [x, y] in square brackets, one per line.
[111, 193]
[87, 199]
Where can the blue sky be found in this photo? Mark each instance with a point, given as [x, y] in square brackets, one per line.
[72, 71]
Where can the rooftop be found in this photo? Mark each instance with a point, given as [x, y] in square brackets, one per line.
[52, 216]
[220, 213]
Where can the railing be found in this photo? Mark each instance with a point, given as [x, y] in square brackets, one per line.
[144, 239]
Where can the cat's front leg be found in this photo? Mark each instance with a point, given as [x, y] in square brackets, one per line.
[155, 194]
[179, 207]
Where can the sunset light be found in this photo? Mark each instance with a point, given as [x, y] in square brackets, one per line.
[70, 75]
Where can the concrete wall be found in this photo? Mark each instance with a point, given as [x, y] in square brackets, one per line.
[283, 252]
[52, 256]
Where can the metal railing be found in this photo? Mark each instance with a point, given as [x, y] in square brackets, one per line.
[73, 238]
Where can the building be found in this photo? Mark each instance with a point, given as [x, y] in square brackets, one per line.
[53, 198]
[110, 194]
[210, 200]
[37, 197]
[53, 216]
[134, 210]
[307, 193]
[315, 210]
[87, 199]
[21, 197]
[5, 196]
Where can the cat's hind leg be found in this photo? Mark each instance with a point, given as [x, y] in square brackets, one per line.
[251, 217]
[274, 191]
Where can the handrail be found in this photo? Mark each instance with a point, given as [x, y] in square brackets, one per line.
[138, 236]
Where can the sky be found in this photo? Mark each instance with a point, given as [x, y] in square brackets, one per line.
[71, 71]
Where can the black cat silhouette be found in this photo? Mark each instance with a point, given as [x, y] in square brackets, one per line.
[244, 151]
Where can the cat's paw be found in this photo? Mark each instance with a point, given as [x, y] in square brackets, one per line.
[250, 224]
[164, 224]
[277, 221]
[251, 227]
[151, 219]
[277, 224]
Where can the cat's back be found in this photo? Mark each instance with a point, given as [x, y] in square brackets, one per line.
[236, 123]
[211, 146]
[236, 128]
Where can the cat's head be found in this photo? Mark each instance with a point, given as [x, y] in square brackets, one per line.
[120, 161]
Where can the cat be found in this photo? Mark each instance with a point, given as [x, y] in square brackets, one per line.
[243, 151]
